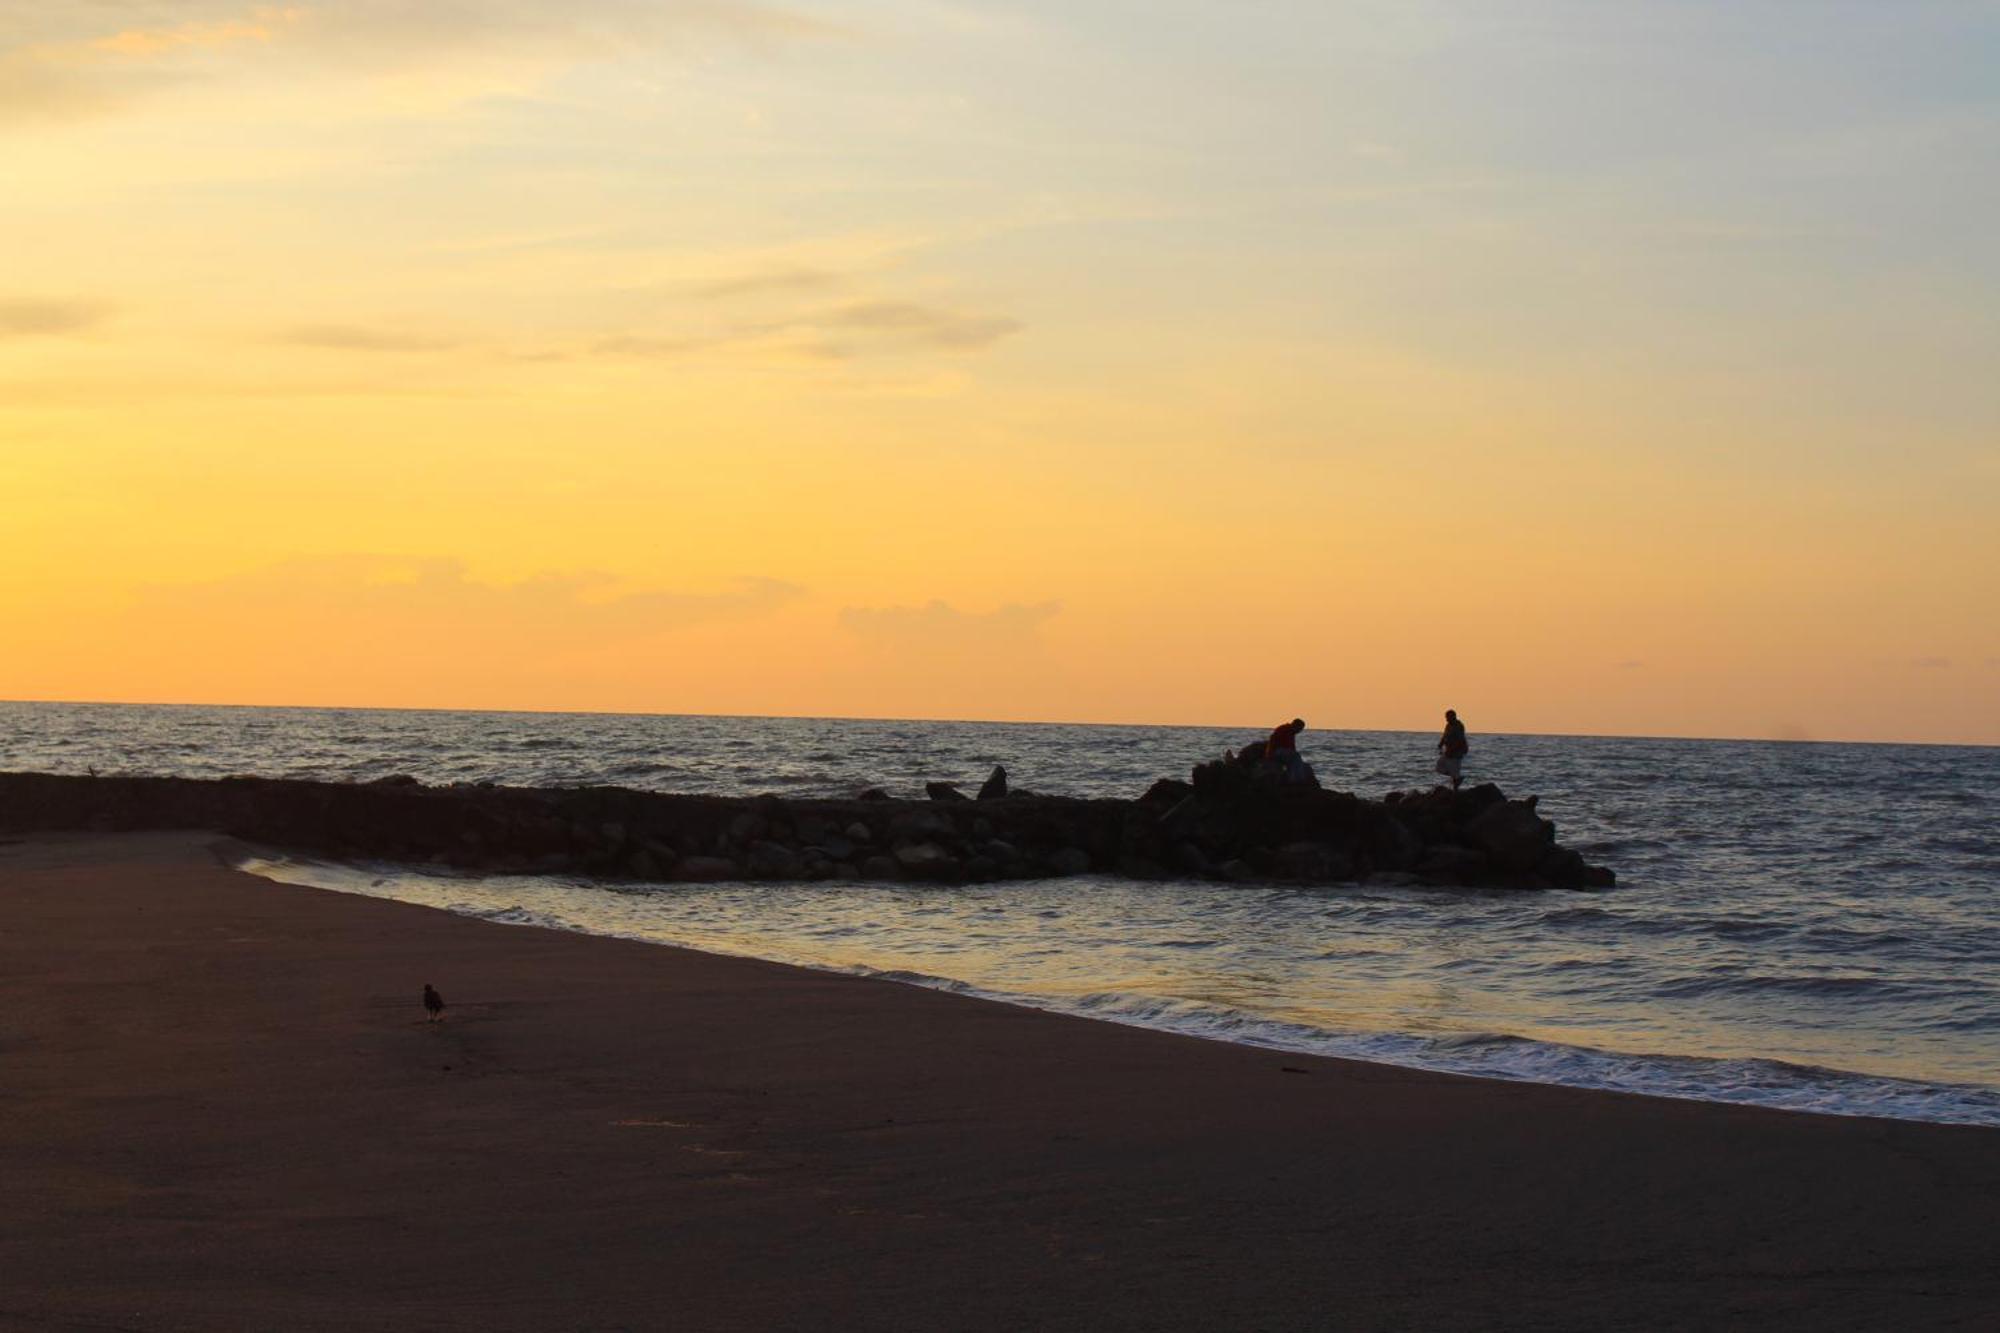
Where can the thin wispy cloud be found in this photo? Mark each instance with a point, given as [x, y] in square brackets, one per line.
[937, 623]
[439, 598]
[63, 60]
[373, 626]
[774, 280]
[918, 323]
[762, 344]
[29, 319]
[360, 338]
[647, 346]
[197, 34]
[78, 29]
[70, 60]
[33, 90]
[840, 332]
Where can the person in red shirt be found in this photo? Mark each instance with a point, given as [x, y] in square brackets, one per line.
[1283, 749]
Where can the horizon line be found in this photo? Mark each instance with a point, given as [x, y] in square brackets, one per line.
[985, 722]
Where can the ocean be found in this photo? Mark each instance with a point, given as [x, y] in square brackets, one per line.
[1801, 925]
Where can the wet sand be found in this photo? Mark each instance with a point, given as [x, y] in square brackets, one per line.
[221, 1108]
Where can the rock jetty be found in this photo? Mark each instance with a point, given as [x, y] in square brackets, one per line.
[1229, 823]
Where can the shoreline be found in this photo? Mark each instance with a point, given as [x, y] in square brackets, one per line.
[1427, 729]
[273, 864]
[224, 1109]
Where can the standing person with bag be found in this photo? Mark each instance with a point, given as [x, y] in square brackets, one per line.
[1452, 748]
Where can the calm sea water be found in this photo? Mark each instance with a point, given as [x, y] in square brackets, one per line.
[1801, 925]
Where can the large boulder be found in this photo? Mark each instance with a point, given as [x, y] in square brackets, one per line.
[918, 824]
[1225, 780]
[1457, 866]
[773, 860]
[1312, 862]
[927, 860]
[1003, 854]
[1393, 845]
[1513, 835]
[1069, 861]
[1563, 868]
[648, 864]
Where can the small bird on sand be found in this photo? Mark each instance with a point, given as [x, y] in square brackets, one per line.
[433, 1002]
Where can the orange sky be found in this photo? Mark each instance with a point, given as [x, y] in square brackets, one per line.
[1620, 368]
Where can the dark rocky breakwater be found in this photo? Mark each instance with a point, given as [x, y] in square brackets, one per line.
[1228, 824]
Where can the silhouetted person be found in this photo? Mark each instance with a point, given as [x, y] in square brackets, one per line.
[1452, 748]
[1283, 750]
[433, 1003]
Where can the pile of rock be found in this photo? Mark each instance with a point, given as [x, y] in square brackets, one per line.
[1230, 822]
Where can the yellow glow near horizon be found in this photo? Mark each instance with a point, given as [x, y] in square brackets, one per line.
[908, 361]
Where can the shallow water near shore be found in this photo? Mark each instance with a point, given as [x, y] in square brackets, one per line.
[1800, 925]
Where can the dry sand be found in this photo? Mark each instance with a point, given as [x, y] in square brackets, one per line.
[221, 1108]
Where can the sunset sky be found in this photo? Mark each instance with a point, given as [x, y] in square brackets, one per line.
[1623, 366]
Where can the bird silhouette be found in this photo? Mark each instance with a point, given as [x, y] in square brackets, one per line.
[433, 1002]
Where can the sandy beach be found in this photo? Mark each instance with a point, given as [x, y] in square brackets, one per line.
[221, 1107]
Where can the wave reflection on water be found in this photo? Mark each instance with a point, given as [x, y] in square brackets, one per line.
[1795, 924]
[1402, 976]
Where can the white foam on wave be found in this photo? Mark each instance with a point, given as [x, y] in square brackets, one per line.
[1773, 1084]
[1768, 1083]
